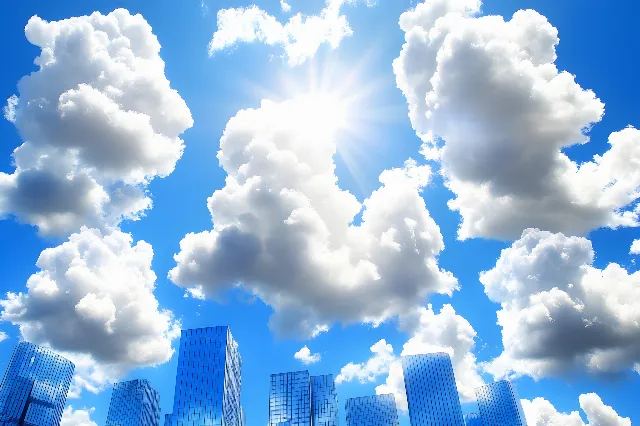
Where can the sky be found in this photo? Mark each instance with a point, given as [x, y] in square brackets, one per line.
[340, 182]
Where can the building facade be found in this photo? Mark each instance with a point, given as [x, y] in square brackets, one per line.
[500, 405]
[134, 403]
[35, 386]
[208, 380]
[324, 401]
[432, 395]
[375, 410]
[473, 419]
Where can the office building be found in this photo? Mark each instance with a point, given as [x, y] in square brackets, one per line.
[297, 399]
[473, 419]
[134, 403]
[432, 395]
[500, 405]
[35, 386]
[208, 380]
[375, 410]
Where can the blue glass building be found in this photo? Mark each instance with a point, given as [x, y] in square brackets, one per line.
[500, 405]
[375, 410]
[473, 419]
[34, 388]
[432, 395]
[208, 380]
[297, 399]
[134, 403]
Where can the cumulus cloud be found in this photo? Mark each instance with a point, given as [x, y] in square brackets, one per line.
[304, 355]
[541, 412]
[99, 121]
[635, 247]
[574, 316]
[430, 333]
[284, 230]
[92, 300]
[3, 336]
[71, 417]
[300, 38]
[489, 103]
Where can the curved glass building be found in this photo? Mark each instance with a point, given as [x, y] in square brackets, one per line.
[134, 403]
[374, 410]
[500, 405]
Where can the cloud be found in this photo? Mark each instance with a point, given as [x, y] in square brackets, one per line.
[93, 301]
[286, 7]
[99, 121]
[71, 417]
[284, 230]
[635, 247]
[300, 38]
[490, 105]
[370, 370]
[541, 412]
[430, 332]
[574, 316]
[3, 336]
[10, 109]
[304, 355]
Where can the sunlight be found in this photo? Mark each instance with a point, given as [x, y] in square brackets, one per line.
[321, 114]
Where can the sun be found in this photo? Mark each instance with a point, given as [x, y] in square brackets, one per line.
[321, 114]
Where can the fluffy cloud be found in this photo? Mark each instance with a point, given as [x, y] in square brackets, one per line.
[541, 412]
[559, 312]
[370, 370]
[430, 332]
[300, 37]
[489, 103]
[71, 417]
[93, 301]
[3, 336]
[99, 120]
[284, 229]
[286, 7]
[304, 355]
[635, 247]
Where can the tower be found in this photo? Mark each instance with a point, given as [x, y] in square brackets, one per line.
[500, 405]
[134, 403]
[375, 410]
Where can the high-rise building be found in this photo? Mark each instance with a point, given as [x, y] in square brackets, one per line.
[375, 410]
[500, 405]
[297, 399]
[34, 388]
[473, 419]
[432, 395]
[208, 379]
[134, 403]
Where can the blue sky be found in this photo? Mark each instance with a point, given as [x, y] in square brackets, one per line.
[507, 142]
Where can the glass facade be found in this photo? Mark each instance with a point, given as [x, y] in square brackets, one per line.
[34, 388]
[375, 410]
[500, 405]
[134, 403]
[432, 395]
[473, 419]
[208, 380]
[324, 401]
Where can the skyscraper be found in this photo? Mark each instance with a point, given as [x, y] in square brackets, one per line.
[208, 379]
[297, 399]
[34, 388]
[500, 405]
[134, 403]
[473, 419]
[375, 410]
[432, 395]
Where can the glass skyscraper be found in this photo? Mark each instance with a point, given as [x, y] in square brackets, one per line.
[297, 399]
[375, 410]
[34, 388]
[134, 403]
[500, 405]
[473, 419]
[432, 395]
[208, 380]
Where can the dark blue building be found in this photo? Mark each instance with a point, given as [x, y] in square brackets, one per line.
[500, 405]
[208, 380]
[134, 403]
[473, 419]
[375, 410]
[34, 388]
[297, 399]
[432, 395]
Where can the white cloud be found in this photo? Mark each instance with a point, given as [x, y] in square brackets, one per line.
[99, 121]
[3, 336]
[283, 228]
[300, 37]
[10, 109]
[560, 313]
[489, 103]
[304, 355]
[635, 247]
[93, 301]
[71, 417]
[541, 412]
[370, 370]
